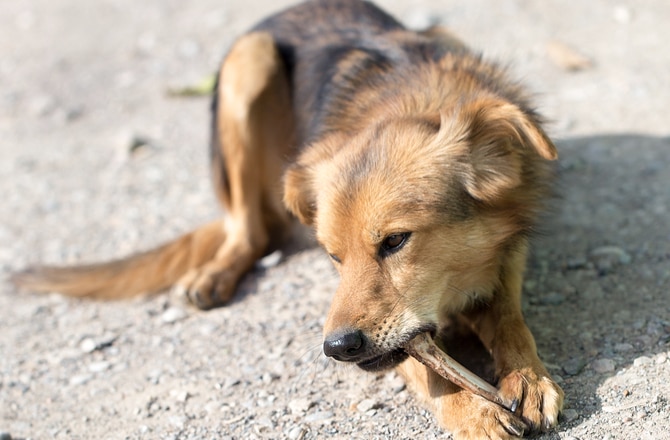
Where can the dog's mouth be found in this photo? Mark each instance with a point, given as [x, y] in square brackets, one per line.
[384, 361]
[393, 357]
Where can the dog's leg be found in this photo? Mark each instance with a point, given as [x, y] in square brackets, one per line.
[253, 126]
[524, 382]
[466, 415]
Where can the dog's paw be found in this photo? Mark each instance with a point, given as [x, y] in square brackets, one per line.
[481, 419]
[206, 287]
[534, 397]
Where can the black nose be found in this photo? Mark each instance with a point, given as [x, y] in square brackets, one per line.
[345, 345]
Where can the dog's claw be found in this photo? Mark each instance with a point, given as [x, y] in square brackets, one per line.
[514, 405]
[516, 430]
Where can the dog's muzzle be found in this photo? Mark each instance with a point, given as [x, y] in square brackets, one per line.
[352, 346]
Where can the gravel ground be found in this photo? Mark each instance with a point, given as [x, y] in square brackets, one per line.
[83, 82]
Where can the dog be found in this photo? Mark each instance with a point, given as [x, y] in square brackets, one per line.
[422, 169]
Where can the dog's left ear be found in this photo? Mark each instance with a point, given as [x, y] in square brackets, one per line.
[500, 138]
[299, 193]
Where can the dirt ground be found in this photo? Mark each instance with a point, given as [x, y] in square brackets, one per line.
[99, 160]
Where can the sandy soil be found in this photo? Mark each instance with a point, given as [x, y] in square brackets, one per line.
[83, 81]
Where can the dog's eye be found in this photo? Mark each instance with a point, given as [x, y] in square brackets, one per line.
[393, 243]
[335, 258]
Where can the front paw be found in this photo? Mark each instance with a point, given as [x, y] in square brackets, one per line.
[536, 398]
[474, 418]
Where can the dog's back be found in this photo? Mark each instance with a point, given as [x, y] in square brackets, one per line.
[335, 48]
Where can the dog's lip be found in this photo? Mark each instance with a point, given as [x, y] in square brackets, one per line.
[384, 361]
[393, 357]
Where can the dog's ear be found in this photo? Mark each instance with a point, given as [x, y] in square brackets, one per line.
[299, 195]
[500, 138]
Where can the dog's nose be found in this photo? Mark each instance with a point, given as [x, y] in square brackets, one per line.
[345, 345]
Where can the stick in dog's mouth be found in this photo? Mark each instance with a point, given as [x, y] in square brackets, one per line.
[424, 349]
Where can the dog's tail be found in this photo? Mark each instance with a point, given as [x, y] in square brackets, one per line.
[146, 272]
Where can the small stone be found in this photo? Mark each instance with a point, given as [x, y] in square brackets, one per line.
[270, 260]
[297, 433]
[5, 436]
[573, 366]
[661, 358]
[607, 257]
[98, 367]
[641, 361]
[319, 416]
[397, 384]
[268, 378]
[623, 347]
[180, 396]
[570, 414]
[178, 421]
[230, 382]
[300, 406]
[88, 345]
[552, 299]
[80, 379]
[576, 263]
[173, 314]
[603, 365]
[366, 405]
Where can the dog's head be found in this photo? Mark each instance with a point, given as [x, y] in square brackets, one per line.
[413, 212]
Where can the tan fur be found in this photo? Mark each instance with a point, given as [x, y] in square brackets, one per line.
[422, 169]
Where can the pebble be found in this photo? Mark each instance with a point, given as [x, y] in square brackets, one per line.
[5, 436]
[297, 433]
[98, 367]
[80, 379]
[180, 396]
[173, 314]
[603, 365]
[397, 384]
[88, 345]
[366, 405]
[319, 416]
[641, 361]
[178, 421]
[270, 260]
[607, 257]
[661, 358]
[623, 347]
[576, 263]
[300, 406]
[551, 299]
[573, 366]
[570, 414]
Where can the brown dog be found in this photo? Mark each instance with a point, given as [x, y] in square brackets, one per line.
[422, 169]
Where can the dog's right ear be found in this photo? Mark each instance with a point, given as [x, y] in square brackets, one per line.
[299, 195]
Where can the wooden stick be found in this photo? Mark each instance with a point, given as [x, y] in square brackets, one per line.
[424, 349]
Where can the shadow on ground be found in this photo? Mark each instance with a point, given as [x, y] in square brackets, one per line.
[596, 291]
